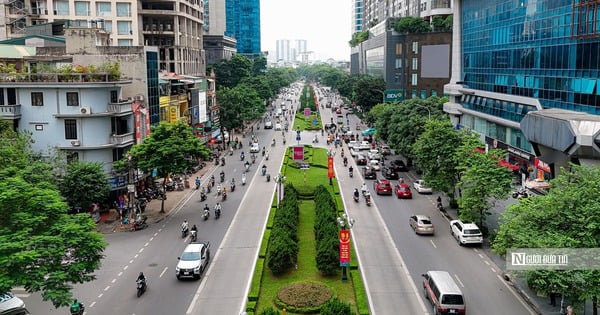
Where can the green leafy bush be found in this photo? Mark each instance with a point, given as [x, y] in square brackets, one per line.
[336, 307]
[256, 279]
[270, 311]
[283, 241]
[326, 232]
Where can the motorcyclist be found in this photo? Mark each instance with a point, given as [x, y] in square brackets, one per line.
[345, 161]
[212, 180]
[243, 178]
[194, 228]
[247, 165]
[197, 182]
[76, 307]
[368, 197]
[264, 169]
[273, 143]
[141, 276]
[206, 208]
[218, 189]
[222, 174]
[242, 156]
[363, 188]
[342, 153]
[232, 185]
[223, 161]
[263, 151]
[218, 209]
[184, 225]
[350, 170]
[356, 193]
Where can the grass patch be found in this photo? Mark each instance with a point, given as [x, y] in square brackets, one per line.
[303, 123]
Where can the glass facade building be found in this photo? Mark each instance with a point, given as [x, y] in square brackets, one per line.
[242, 21]
[544, 49]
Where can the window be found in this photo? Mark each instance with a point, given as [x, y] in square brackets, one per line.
[423, 94]
[82, 8]
[414, 79]
[434, 93]
[123, 9]
[399, 49]
[37, 99]
[123, 27]
[114, 96]
[415, 63]
[39, 127]
[103, 9]
[70, 129]
[72, 99]
[415, 47]
[414, 94]
[125, 42]
[2, 97]
[398, 63]
[108, 26]
[61, 8]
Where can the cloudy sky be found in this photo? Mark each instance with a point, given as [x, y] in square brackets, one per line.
[325, 24]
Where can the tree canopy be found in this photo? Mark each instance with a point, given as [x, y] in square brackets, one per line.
[567, 217]
[171, 148]
[84, 183]
[237, 105]
[411, 24]
[229, 73]
[42, 247]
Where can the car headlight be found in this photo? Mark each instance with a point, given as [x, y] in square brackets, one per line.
[177, 269]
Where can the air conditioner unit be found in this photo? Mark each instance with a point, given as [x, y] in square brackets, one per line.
[75, 143]
[139, 98]
[85, 110]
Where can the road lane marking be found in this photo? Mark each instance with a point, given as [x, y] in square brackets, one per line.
[92, 304]
[151, 239]
[107, 287]
[480, 256]
[131, 261]
[458, 279]
[191, 307]
[486, 262]
[493, 270]
[136, 256]
[141, 250]
[163, 272]
[432, 243]
[519, 298]
[114, 280]
[125, 268]
[146, 244]
[119, 274]
[100, 295]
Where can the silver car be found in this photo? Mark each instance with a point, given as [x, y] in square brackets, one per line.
[421, 224]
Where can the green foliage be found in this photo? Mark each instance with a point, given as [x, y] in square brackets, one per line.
[336, 307]
[434, 152]
[270, 311]
[84, 183]
[567, 217]
[362, 300]
[303, 123]
[326, 74]
[411, 24]
[481, 179]
[264, 246]
[237, 105]
[358, 38]
[259, 66]
[440, 24]
[364, 90]
[260, 85]
[308, 101]
[283, 241]
[256, 280]
[326, 232]
[229, 73]
[170, 148]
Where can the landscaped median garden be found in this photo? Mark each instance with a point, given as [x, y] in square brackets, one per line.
[298, 265]
[306, 123]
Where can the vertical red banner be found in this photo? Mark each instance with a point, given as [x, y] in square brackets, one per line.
[330, 167]
[344, 248]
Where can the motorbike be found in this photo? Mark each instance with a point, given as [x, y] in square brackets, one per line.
[202, 196]
[208, 187]
[283, 140]
[184, 232]
[273, 143]
[141, 287]
[315, 140]
[264, 170]
[139, 224]
[368, 200]
[217, 161]
[197, 185]
[351, 174]
[80, 311]
[253, 158]
[268, 177]
[223, 161]
[520, 194]
[243, 180]
[224, 196]
[356, 198]
[206, 215]
[440, 207]
[193, 236]
[345, 162]
[217, 214]
[242, 157]
[222, 177]
[232, 186]
[231, 152]
[247, 168]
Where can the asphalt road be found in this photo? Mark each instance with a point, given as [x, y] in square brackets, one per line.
[477, 275]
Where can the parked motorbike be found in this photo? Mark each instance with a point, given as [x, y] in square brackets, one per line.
[139, 224]
[193, 236]
[206, 214]
[520, 194]
[141, 287]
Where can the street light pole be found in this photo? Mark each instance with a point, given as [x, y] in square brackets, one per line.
[346, 223]
[382, 95]
[280, 180]
[428, 111]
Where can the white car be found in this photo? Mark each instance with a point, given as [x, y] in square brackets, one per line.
[10, 304]
[421, 188]
[353, 152]
[374, 164]
[352, 144]
[254, 148]
[466, 233]
[364, 145]
[278, 127]
[374, 155]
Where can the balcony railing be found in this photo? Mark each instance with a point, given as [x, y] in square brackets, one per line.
[59, 77]
[122, 139]
[10, 111]
[121, 107]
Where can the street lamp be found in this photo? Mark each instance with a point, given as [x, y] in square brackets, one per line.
[131, 185]
[428, 111]
[346, 223]
[382, 95]
[280, 181]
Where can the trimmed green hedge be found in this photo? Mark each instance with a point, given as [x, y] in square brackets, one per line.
[251, 307]
[264, 244]
[256, 280]
[362, 301]
[271, 217]
[282, 253]
[326, 232]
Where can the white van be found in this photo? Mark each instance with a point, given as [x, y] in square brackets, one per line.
[279, 113]
[443, 293]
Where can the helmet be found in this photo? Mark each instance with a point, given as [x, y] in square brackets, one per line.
[141, 273]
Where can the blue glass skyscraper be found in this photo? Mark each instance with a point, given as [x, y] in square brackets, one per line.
[523, 71]
[242, 21]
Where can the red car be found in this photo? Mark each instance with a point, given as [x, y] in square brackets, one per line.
[382, 187]
[403, 191]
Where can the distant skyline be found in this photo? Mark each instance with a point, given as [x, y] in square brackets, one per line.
[324, 24]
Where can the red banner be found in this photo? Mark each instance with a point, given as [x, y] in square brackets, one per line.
[542, 165]
[330, 167]
[344, 248]
[298, 153]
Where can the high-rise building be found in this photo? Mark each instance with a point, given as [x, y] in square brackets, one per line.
[216, 45]
[287, 53]
[242, 22]
[282, 50]
[525, 76]
[175, 27]
[357, 16]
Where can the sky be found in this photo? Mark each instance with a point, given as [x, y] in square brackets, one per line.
[324, 24]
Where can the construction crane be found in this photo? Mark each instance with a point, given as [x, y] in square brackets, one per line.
[304, 56]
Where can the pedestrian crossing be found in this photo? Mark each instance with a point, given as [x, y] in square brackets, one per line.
[20, 292]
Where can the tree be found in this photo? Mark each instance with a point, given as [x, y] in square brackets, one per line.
[435, 151]
[259, 66]
[567, 217]
[377, 112]
[260, 85]
[358, 38]
[411, 24]
[84, 183]
[171, 148]
[481, 179]
[229, 73]
[42, 247]
[237, 105]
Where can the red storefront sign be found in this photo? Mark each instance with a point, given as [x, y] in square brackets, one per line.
[344, 248]
[330, 167]
[541, 165]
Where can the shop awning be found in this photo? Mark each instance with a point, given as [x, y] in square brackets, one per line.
[509, 165]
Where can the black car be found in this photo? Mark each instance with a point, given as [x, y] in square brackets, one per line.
[389, 173]
[398, 166]
[369, 173]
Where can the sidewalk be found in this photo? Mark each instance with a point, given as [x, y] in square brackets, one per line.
[110, 223]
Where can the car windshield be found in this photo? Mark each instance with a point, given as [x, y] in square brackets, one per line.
[472, 231]
[385, 184]
[425, 222]
[190, 256]
[403, 188]
[452, 299]
[5, 296]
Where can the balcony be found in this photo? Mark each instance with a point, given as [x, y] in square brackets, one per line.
[122, 107]
[10, 111]
[124, 139]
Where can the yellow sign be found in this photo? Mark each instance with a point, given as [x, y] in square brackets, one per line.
[173, 114]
